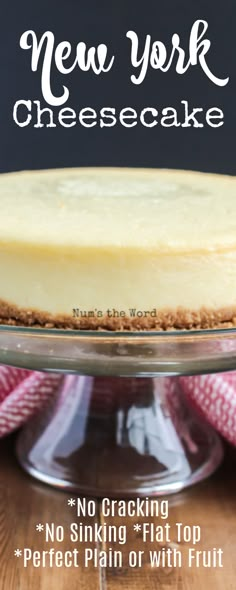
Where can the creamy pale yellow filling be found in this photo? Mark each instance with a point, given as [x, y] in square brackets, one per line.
[170, 211]
[58, 281]
[103, 239]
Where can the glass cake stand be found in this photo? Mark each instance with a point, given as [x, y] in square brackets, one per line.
[119, 426]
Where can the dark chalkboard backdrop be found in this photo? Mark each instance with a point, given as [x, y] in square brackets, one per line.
[107, 21]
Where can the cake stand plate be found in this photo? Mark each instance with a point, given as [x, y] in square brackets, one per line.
[119, 426]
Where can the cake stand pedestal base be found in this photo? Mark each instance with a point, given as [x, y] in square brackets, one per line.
[119, 437]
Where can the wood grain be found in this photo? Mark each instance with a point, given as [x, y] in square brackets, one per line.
[24, 503]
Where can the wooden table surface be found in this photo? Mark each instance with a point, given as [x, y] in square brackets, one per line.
[25, 503]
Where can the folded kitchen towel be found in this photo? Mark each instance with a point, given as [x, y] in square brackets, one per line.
[215, 397]
[23, 393]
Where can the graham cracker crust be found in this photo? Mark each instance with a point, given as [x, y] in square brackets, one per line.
[166, 319]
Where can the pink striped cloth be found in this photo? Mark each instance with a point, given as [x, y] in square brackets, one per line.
[23, 393]
[215, 397]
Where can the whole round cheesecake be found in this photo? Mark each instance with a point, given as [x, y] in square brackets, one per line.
[118, 249]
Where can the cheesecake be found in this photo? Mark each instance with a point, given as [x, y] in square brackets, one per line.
[117, 249]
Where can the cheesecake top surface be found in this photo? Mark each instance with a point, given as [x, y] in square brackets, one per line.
[165, 210]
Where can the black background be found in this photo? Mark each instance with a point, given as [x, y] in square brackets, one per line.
[94, 22]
